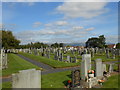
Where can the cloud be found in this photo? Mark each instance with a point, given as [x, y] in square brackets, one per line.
[49, 34]
[112, 38]
[1, 26]
[8, 26]
[78, 27]
[82, 9]
[36, 24]
[60, 0]
[90, 29]
[61, 23]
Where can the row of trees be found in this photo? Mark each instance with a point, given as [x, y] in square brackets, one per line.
[33, 45]
[9, 41]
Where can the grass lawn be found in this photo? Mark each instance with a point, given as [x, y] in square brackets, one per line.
[112, 82]
[54, 80]
[104, 58]
[51, 62]
[59, 80]
[16, 63]
[7, 85]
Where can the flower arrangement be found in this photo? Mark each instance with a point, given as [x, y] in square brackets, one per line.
[101, 82]
[90, 71]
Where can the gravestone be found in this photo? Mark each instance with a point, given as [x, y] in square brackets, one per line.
[75, 60]
[107, 53]
[30, 78]
[61, 57]
[92, 52]
[98, 68]
[87, 59]
[68, 58]
[104, 67]
[48, 54]
[83, 70]
[110, 68]
[3, 60]
[56, 56]
[75, 78]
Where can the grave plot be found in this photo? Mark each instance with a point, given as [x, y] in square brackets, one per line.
[84, 79]
[15, 64]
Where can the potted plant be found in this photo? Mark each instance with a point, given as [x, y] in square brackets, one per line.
[91, 73]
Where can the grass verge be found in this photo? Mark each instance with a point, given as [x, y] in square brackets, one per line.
[51, 62]
[15, 64]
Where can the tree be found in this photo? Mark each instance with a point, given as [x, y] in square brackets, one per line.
[61, 44]
[118, 45]
[55, 45]
[8, 40]
[96, 42]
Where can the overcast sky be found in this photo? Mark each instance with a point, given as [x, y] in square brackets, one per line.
[65, 22]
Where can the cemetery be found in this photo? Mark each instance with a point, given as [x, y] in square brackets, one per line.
[94, 67]
[59, 45]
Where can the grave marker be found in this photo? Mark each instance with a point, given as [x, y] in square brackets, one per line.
[30, 78]
[98, 68]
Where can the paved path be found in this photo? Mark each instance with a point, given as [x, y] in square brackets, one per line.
[39, 64]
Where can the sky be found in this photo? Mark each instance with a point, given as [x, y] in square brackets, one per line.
[62, 22]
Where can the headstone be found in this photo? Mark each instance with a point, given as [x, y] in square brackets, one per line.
[87, 59]
[68, 58]
[3, 60]
[61, 57]
[75, 60]
[92, 52]
[30, 78]
[75, 78]
[110, 68]
[107, 53]
[104, 67]
[83, 70]
[98, 68]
